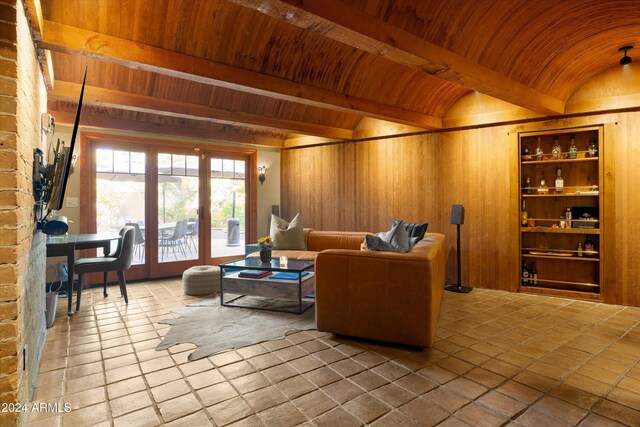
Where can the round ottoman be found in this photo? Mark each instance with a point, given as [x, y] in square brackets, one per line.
[201, 280]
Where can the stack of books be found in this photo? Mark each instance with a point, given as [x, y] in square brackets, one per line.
[254, 274]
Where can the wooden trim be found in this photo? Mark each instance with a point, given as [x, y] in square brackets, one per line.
[101, 97]
[68, 39]
[609, 282]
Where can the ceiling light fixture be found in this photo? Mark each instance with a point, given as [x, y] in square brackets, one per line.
[625, 59]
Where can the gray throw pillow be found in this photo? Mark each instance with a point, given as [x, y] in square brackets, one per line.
[394, 240]
[287, 235]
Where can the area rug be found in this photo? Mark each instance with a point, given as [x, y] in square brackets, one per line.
[213, 328]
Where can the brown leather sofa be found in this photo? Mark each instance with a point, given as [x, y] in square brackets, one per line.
[384, 296]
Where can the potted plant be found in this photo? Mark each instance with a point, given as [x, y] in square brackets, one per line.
[265, 244]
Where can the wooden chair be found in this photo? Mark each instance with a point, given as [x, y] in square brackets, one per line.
[119, 261]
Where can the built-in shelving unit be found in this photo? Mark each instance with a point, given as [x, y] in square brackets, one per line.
[566, 252]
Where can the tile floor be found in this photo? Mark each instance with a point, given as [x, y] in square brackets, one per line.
[500, 358]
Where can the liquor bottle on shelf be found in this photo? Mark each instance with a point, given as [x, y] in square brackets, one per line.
[543, 189]
[539, 152]
[580, 250]
[592, 150]
[524, 215]
[556, 151]
[573, 150]
[563, 223]
[528, 189]
[533, 279]
[526, 155]
[525, 274]
[567, 216]
[588, 247]
[559, 182]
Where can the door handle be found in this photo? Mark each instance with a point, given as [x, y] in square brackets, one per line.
[201, 211]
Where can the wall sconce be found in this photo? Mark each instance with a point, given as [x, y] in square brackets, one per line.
[262, 170]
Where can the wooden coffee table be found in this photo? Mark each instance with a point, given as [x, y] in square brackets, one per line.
[234, 288]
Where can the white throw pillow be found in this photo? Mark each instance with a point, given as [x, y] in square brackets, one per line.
[287, 235]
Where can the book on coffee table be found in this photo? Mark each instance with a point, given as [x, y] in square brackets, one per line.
[254, 274]
[282, 275]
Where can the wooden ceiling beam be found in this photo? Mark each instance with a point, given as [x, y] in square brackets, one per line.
[65, 38]
[147, 104]
[349, 25]
[90, 120]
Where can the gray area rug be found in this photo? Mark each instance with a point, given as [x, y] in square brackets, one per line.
[214, 328]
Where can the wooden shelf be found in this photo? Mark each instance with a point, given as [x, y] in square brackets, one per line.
[540, 162]
[591, 296]
[562, 258]
[561, 195]
[560, 230]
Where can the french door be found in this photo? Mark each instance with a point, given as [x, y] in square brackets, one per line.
[189, 206]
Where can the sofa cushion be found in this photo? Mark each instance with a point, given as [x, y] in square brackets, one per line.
[415, 231]
[287, 235]
[303, 255]
[394, 240]
[321, 240]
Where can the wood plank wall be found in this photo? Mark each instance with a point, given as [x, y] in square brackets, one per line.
[362, 185]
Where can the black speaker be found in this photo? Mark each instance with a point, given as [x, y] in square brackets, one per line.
[275, 210]
[457, 214]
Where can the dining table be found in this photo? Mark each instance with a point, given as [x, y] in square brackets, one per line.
[67, 245]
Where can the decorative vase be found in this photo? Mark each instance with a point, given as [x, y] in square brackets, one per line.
[265, 255]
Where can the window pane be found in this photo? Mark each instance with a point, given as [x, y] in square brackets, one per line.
[138, 161]
[216, 168]
[193, 168]
[239, 169]
[227, 168]
[179, 165]
[121, 161]
[104, 160]
[164, 164]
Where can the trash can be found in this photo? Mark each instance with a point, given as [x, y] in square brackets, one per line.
[50, 308]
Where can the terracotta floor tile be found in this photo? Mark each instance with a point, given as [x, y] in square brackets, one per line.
[391, 371]
[501, 368]
[479, 416]
[366, 408]
[119, 362]
[535, 380]
[295, 386]
[216, 393]
[157, 364]
[342, 391]
[119, 374]
[86, 397]
[437, 374]
[416, 383]
[195, 367]
[285, 415]
[205, 378]
[225, 358]
[85, 383]
[198, 419]
[229, 411]
[424, 412]
[264, 361]
[575, 396]
[484, 377]
[329, 355]
[588, 384]
[367, 380]
[86, 416]
[143, 418]
[264, 398]
[163, 376]
[593, 420]
[560, 409]
[179, 407]
[337, 417]
[252, 351]
[314, 404]
[313, 346]
[502, 404]
[129, 403]
[347, 367]
[393, 395]
[290, 353]
[535, 418]
[170, 390]
[369, 359]
[446, 399]
[279, 373]
[625, 397]
[82, 359]
[277, 344]
[618, 412]
[466, 388]
[305, 364]
[600, 374]
[236, 370]
[249, 383]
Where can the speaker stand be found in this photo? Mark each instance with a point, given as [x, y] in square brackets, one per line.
[458, 288]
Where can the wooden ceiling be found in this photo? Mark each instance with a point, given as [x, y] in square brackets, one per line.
[263, 71]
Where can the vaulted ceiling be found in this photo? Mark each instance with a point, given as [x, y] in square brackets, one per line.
[262, 71]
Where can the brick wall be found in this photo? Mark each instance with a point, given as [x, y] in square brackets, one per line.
[22, 248]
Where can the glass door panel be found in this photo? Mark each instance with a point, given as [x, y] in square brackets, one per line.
[228, 206]
[121, 194]
[178, 202]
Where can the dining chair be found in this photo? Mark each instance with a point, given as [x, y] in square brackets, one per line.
[174, 240]
[119, 261]
[139, 240]
[192, 232]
